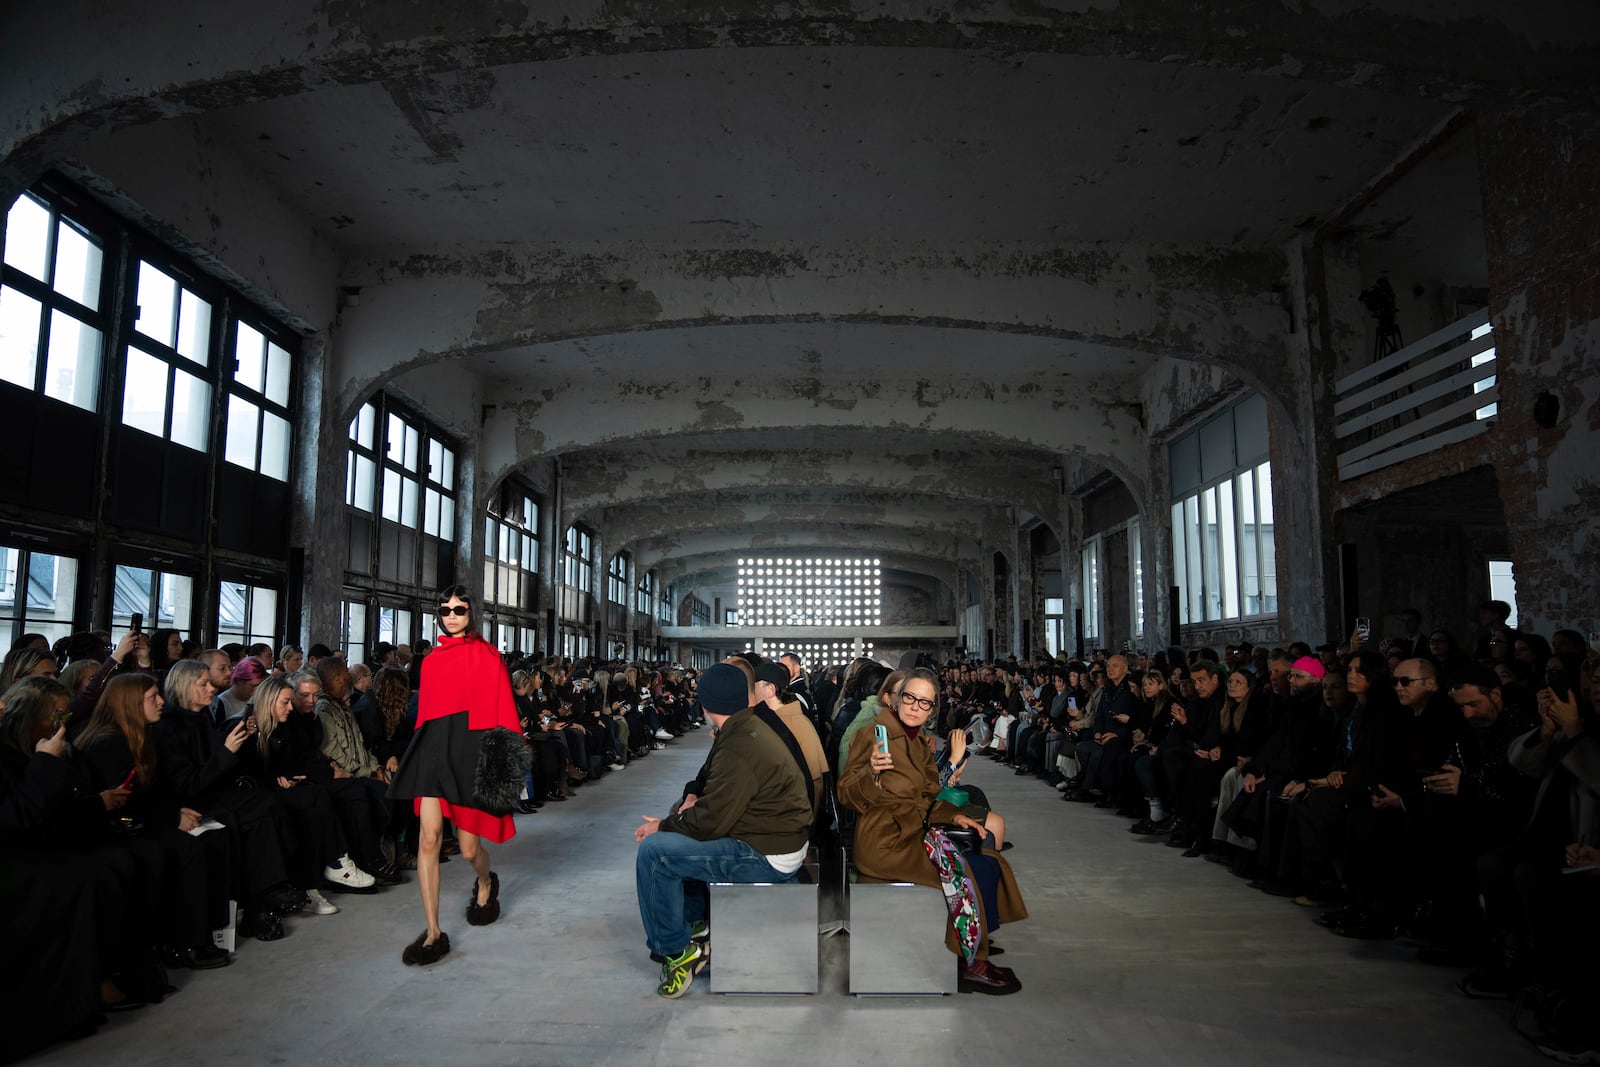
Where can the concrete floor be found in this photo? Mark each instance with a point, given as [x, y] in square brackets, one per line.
[1132, 955]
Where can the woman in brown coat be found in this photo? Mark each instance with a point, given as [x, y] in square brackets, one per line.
[894, 793]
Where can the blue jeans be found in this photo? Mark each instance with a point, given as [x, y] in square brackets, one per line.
[670, 875]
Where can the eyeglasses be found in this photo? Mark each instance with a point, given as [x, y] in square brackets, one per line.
[461, 610]
[916, 701]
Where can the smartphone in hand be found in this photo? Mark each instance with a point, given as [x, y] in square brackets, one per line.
[881, 733]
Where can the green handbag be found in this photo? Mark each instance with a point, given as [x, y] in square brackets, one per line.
[953, 796]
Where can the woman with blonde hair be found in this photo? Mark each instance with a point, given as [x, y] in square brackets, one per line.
[279, 760]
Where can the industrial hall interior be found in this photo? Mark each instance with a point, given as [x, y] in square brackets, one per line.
[1235, 365]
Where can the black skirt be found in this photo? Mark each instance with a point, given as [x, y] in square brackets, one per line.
[441, 761]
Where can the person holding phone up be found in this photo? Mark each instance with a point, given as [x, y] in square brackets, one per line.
[894, 784]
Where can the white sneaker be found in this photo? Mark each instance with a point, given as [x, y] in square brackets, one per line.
[345, 873]
[662, 735]
[1062, 785]
[320, 905]
[618, 766]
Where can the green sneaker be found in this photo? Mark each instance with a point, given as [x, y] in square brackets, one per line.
[679, 971]
[700, 932]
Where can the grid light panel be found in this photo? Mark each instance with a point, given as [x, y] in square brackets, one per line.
[788, 591]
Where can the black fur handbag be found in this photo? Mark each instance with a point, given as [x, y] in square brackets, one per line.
[504, 757]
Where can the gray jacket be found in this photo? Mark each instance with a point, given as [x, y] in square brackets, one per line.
[1543, 758]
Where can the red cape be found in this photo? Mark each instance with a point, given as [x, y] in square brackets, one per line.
[466, 674]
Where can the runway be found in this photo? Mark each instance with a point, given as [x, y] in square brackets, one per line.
[1132, 955]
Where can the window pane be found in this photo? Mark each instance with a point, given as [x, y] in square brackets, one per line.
[411, 448]
[447, 518]
[274, 446]
[1503, 586]
[28, 236]
[1227, 550]
[277, 375]
[1269, 550]
[144, 393]
[391, 495]
[264, 615]
[1136, 575]
[355, 631]
[408, 502]
[174, 595]
[194, 329]
[435, 460]
[362, 481]
[248, 353]
[366, 424]
[1209, 562]
[396, 440]
[19, 337]
[445, 472]
[78, 259]
[241, 433]
[231, 598]
[72, 368]
[1191, 541]
[158, 294]
[430, 516]
[52, 585]
[1249, 564]
[191, 408]
[130, 592]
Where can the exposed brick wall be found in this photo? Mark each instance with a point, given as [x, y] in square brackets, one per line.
[1541, 188]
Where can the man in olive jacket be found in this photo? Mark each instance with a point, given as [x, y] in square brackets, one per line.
[750, 824]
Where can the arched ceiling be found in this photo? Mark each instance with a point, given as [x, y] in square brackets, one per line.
[844, 275]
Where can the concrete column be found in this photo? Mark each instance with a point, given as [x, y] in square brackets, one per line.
[597, 598]
[317, 524]
[1071, 567]
[1023, 596]
[1325, 281]
[470, 510]
[984, 641]
[1540, 175]
[1155, 548]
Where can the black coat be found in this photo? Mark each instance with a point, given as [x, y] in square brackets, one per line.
[194, 765]
[1301, 747]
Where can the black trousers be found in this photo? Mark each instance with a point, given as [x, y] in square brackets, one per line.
[1374, 861]
[318, 837]
[194, 889]
[50, 984]
[1313, 835]
[262, 835]
[362, 808]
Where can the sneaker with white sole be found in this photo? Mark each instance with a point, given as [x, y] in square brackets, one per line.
[678, 972]
[618, 766]
[344, 873]
[662, 735]
[320, 905]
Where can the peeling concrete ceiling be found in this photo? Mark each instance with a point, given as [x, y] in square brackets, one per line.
[779, 144]
[828, 257]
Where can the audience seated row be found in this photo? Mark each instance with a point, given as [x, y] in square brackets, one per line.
[153, 787]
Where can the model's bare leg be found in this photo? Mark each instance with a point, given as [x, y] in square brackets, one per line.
[428, 841]
[473, 852]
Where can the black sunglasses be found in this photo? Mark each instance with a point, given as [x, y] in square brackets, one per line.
[461, 610]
